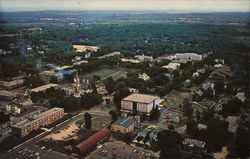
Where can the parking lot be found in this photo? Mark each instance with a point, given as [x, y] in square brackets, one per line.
[67, 132]
[35, 152]
[120, 150]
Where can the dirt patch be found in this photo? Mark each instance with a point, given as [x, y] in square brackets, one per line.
[222, 154]
[65, 133]
[82, 48]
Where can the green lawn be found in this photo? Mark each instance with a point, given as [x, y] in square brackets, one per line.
[115, 73]
[100, 122]
[109, 107]
[175, 98]
[119, 75]
[163, 57]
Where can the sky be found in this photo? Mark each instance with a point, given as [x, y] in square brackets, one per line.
[177, 5]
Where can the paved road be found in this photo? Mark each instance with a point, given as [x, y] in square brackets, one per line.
[32, 150]
[31, 142]
[99, 113]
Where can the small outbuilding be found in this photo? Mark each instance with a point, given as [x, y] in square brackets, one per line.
[187, 83]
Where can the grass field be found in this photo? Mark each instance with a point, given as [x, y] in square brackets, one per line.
[104, 73]
[174, 99]
[119, 75]
[82, 48]
[162, 57]
[100, 122]
[108, 108]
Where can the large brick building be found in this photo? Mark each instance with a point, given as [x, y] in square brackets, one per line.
[90, 143]
[42, 119]
[140, 103]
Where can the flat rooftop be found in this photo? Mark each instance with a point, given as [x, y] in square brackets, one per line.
[140, 98]
[188, 53]
[194, 142]
[125, 122]
[48, 112]
[11, 83]
[44, 87]
[37, 117]
[7, 93]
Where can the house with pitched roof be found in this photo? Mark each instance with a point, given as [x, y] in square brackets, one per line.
[221, 73]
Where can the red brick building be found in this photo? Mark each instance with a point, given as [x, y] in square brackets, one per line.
[90, 143]
[43, 119]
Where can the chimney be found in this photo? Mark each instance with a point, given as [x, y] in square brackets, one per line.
[77, 83]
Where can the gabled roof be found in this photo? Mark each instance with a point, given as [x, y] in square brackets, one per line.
[205, 86]
[93, 140]
[125, 122]
[241, 96]
[202, 126]
[144, 76]
[223, 71]
[199, 92]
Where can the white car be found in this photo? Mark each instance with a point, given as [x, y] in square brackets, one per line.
[43, 147]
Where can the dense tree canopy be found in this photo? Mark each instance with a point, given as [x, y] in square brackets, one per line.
[169, 142]
[88, 120]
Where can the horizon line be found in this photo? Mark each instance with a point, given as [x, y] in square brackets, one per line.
[167, 10]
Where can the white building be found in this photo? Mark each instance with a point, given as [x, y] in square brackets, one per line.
[172, 66]
[188, 56]
[87, 55]
[80, 62]
[140, 103]
[12, 109]
[221, 61]
[8, 108]
[143, 76]
[130, 60]
[77, 58]
[241, 96]
[133, 90]
[195, 75]
[143, 58]
[114, 53]
[187, 83]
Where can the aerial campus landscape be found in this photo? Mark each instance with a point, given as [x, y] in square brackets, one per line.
[113, 79]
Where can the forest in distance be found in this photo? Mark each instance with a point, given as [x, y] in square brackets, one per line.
[88, 63]
[153, 33]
